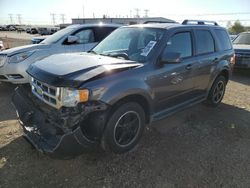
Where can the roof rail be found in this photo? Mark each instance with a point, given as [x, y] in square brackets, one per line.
[199, 22]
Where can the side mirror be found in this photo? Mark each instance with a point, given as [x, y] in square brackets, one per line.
[72, 39]
[170, 58]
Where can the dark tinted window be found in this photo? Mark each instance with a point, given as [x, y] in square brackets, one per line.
[224, 39]
[180, 43]
[102, 32]
[204, 42]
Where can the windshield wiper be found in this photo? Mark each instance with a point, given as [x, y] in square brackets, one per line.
[92, 52]
[117, 55]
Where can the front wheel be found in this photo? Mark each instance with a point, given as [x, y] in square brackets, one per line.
[124, 128]
[217, 92]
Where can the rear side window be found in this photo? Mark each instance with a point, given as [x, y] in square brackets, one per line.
[180, 43]
[224, 39]
[204, 42]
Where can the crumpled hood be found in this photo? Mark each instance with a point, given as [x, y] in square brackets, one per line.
[241, 47]
[71, 70]
[20, 49]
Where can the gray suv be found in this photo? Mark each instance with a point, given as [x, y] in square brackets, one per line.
[137, 75]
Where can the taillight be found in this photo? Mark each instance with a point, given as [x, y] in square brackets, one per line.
[232, 59]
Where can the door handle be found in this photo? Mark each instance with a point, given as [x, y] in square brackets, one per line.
[189, 67]
[215, 60]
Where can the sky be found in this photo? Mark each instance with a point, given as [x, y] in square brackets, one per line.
[39, 11]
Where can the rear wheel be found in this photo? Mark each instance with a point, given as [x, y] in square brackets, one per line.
[124, 128]
[217, 91]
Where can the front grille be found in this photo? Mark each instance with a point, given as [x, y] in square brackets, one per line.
[242, 58]
[3, 60]
[48, 94]
[2, 77]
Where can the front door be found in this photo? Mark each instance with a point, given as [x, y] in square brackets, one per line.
[173, 83]
[85, 42]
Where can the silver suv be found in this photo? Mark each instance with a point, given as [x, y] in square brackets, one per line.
[76, 38]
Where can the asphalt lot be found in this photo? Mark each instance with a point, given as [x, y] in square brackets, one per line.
[198, 147]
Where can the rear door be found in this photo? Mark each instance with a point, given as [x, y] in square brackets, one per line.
[207, 58]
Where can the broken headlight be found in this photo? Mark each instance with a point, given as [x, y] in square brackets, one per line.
[71, 97]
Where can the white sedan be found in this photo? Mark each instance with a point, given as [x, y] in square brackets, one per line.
[75, 38]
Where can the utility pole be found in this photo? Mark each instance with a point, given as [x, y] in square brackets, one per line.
[53, 16]
[63, 18]
[83, 12]
[11, 18]
[146, 13]
[137, 15]
[19, 18]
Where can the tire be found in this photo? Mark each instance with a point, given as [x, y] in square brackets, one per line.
[216, 92]
[124, 128]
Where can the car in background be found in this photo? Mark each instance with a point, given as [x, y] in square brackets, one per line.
[37, 40]
[47, 30]
[33, 31]
[75, 38]
[28, 30]
[232, 37]
[1, 45]
[3, 28]
[241, 46]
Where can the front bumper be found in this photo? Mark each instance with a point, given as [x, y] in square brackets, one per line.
[242, 61]
[14, 72]
[44, 135]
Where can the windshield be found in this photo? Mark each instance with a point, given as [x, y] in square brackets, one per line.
[57, 36]
[130, 43]
[243, 38]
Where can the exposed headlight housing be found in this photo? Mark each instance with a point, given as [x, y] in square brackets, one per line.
[71, 97]
[17, 58]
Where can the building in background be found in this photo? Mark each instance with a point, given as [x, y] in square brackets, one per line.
[127, 21]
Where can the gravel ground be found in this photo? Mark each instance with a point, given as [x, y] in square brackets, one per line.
[13, 39]
[198, 147]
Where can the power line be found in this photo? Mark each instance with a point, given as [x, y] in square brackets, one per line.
[224, 14]
[212, 14]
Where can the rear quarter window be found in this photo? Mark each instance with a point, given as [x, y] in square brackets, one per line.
[224, 40]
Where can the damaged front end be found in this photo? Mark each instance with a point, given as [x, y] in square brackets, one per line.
[64, 132]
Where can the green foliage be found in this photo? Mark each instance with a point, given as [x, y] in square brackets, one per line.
[236, 28]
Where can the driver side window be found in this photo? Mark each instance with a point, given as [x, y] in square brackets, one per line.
[180, 43]
[85, 36]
